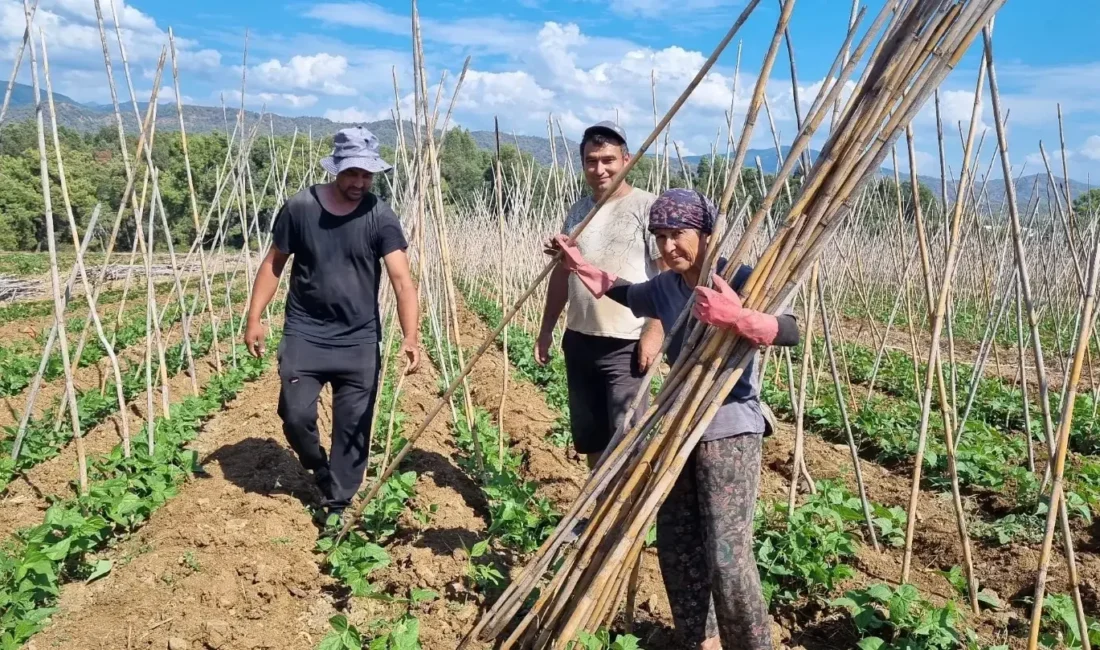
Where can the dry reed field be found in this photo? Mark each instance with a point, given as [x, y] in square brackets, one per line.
[933, 482]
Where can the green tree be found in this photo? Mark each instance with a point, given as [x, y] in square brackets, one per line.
[1088, 204]
[463, 166]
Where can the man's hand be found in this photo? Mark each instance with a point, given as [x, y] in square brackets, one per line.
[255, 334]
[649, 347]
[411, 349]
[542, 348]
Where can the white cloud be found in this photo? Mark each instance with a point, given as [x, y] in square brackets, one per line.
[320, 72]
[355, 115]
[493, 90]
[1091, 148]
[287, 99]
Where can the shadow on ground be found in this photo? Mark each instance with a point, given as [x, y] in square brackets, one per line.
[263, 466]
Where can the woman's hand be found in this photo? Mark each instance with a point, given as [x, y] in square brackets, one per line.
[720, 306]
[596, 281]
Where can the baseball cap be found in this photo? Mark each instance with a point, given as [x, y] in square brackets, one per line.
[354, 148]
[605, 127]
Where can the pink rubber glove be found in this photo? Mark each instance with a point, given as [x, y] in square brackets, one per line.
[595, 280]
[722, 308]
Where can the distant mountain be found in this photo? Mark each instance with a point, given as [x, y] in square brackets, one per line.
[770, 161]
[207, 119]
[87, 118]
[23, 95]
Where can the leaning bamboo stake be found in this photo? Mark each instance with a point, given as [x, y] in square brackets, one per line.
[518, 304]
[55, 281]
[934, 366]
[800, 406]
[1085, 325]
[499, 178]
[207, 294]
[16, 65]
[842, 402]
[82, 272]
[1057, 503]
[47, 350]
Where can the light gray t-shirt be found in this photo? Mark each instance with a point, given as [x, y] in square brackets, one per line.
[664, 297]
[617, 240]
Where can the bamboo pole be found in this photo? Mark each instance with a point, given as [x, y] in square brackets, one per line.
[935, 369]
[518, 304]
[1057, 504]
[800, 407]
[499, 177]
[841, 401]
[16, 64]
[47, 350]
[55, 281]
[82, 272]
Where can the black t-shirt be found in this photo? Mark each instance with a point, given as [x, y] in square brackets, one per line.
[333, 296]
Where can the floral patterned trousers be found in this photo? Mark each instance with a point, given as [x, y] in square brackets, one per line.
[704, 544]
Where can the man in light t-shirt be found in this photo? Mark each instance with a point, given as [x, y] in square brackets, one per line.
[607, 349]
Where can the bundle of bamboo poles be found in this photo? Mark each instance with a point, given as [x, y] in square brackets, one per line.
[920, 44]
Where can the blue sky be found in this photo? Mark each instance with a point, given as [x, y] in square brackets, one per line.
[579, 60]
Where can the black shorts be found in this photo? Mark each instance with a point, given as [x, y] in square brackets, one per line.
[603, 378]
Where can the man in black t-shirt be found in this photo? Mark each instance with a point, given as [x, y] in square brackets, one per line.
[339, 234]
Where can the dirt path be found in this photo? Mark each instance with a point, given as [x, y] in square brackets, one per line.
[227, 563]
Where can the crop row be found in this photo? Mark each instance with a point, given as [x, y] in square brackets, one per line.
[26, 309]
[361, 552]
[996, 402]
[969, 323]
[988, 457]
[43, 441]
[123, 493]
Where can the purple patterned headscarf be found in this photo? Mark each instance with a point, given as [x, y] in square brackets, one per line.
[683, 209]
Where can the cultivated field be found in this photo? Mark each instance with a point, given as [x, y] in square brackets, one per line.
[943, 396]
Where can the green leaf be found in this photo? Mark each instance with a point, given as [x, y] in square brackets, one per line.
[418, 596]
[339, 623]
[102, 568]
[870, 643]
[989, 598]
[880, 592]
[480, 548]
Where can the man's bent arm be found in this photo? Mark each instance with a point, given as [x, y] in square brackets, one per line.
[408, 305]
[267, 283]
[557, 294]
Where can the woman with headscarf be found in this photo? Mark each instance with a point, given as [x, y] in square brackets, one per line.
[704, 528]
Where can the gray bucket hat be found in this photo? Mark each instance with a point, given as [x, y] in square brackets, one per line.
[354, 148]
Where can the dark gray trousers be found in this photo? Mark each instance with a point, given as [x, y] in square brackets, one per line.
[603, 377]
[304, 368]
[704, 545]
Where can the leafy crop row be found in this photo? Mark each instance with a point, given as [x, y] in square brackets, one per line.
[43, 441]
[123, 493]
[519, 518]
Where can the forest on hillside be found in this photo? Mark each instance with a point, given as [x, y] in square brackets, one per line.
[96, 175]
